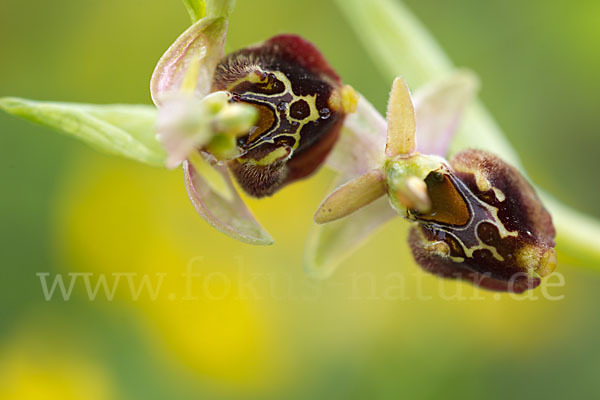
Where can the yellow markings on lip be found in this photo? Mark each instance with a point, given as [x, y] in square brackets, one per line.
[276, 155]
[483, 184]
[252, 77]
[481, 246]
[499, 194]
[344, 98]
[449, 216]
[311, 100]
[440, 248]
[543, 264]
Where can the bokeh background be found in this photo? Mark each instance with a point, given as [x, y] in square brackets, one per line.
[260, 329]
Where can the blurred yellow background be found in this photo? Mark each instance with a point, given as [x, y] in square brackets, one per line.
[251, 325]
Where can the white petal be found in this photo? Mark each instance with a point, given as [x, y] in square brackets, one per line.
[439, 109]
[361, 145]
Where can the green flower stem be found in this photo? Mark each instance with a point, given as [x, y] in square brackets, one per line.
[220, 8]
[199, 9]
[400, 44]
[196, 9]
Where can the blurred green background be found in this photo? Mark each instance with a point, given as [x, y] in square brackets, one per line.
[259, 329]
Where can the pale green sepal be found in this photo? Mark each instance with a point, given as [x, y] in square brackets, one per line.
[189, 63]
[125, 130]
[217, 182]
[330, 244]
[230, 215]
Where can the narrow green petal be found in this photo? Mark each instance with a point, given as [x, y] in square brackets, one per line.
[400, 44]
[352, 196]
[125, 130]
[401, 121]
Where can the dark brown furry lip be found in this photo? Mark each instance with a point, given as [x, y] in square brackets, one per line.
[507, 242]
[300, 115]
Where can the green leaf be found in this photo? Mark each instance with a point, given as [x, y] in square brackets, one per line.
[400, 44]
[196, 9]
[125, 130]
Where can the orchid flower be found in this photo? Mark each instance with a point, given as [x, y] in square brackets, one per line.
[267, 115]
[278, 108]
[399, 43]
[474, 217]
[207, 122]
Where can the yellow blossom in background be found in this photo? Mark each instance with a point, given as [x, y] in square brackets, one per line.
[36, 363]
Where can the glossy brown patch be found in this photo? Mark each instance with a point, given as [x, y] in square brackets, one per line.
[266, 120]
[447, 204]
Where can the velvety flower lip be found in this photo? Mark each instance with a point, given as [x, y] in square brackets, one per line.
[506, 244]
[475, 217]
[302, 105]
